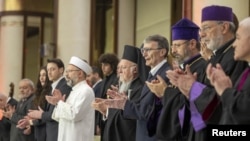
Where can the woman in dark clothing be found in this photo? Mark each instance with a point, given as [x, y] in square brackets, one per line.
[43, 88]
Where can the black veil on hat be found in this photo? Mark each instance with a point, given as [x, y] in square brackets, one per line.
[133, 54]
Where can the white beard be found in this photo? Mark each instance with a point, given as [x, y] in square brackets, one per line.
[70, 83]
[124, 87]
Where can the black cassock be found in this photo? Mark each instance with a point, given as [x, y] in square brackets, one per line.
[112, 79]
[208, 103]
[236, 104]
[169, 127]
[119, 128]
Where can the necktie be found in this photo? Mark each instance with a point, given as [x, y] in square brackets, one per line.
[243, 79]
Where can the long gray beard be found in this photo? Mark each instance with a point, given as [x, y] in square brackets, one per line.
[124, 87]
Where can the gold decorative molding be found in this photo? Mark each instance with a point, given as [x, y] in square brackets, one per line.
[13, 5]
[28, 5]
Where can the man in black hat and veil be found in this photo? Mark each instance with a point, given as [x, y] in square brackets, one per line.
[154, 50]
[119, 128]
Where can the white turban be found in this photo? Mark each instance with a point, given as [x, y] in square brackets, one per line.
[80, 64]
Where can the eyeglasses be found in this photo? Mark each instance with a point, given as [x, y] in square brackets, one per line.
[178, 45]
[206, 28]
[146, 50]
[67, 71]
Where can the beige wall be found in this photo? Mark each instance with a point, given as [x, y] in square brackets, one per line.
[153, 17]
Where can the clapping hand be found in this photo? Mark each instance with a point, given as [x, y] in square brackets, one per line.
[36, 114]
[57, 96]
[100, 105]
[157, 86]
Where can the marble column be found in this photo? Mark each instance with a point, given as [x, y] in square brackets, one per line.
[126, 24]
[73, 29]
[11, 51]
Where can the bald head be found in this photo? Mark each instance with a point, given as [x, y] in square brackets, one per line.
[3, 100]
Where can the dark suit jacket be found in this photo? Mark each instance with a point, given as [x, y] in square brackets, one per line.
[97, 89]
[21, 111]
[143, 109]
[52, 125]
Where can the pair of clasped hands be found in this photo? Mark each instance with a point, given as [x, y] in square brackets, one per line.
[177, 77]
[185, 79]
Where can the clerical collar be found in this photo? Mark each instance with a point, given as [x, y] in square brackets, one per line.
[191, 60]
[181, 66]
[224, 48]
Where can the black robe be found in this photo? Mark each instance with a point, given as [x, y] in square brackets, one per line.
[208, 103]
[112, 79]
[119, 128]
[236, 104]
[169, 127]
[97, 91]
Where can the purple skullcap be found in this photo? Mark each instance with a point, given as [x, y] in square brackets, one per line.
[185, 29]
[217, 13]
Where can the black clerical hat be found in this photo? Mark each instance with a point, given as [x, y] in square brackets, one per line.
[133, 54]
[130, 53]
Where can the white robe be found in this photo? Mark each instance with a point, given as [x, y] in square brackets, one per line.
[76, 116]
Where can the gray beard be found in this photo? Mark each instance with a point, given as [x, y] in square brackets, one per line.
[124, 87]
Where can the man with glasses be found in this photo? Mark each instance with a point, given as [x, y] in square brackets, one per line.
[147, 109]
[55, 68]
[175, 112]
[235, 98]
[218, 33]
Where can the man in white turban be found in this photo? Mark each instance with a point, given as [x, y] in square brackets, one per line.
[75, 115]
